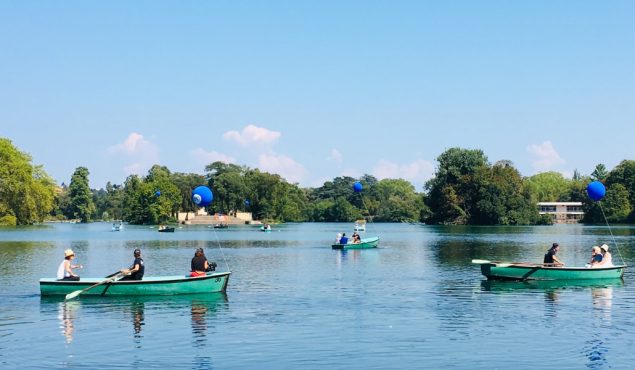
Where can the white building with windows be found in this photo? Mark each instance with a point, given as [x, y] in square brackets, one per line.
[562, 212]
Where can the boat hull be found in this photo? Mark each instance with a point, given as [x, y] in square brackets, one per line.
[510, 271]
[159, 285]
[366, 243]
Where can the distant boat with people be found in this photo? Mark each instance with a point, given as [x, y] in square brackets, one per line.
[166, 229]
[117, 226]
[366, 243]
[360, 225]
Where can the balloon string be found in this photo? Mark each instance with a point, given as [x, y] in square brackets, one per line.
[221, 250]
[611, 232]
[367, 211]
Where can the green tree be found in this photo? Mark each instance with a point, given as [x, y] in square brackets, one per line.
[80, 196]
[454, 190]
[600, 172]
[26, 191]
[624, 174]
[548, 187]
[398, 201]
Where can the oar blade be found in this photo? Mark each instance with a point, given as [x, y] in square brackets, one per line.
[72, 294]
[480, 262]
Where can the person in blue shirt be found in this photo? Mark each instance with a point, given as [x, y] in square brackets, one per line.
[344, 239]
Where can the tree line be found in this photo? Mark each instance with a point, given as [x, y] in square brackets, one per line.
[466, 189]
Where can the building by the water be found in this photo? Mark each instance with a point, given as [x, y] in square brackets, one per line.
[562, 212]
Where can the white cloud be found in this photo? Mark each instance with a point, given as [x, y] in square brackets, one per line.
[417, 172]
[252, 135]
[544, 156]
[335, 156]
[138, 154]
[204, 157]
[284, 166]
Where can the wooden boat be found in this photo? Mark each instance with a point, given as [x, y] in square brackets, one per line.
[521, 271]
[166, 229]
[366, 243]
[155, 285]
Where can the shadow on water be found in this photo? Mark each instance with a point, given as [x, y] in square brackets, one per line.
[136, 310]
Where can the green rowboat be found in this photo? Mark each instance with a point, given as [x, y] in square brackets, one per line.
[366, 243]
[531, 271]
[156, 285]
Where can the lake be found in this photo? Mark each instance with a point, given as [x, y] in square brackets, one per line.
[293, 302]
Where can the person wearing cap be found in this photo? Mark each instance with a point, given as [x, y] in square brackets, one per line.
[200, 265]
[550, 257]
[135, 272]
[65, 270]
[607, 259]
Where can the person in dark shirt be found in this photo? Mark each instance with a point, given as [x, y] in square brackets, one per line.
[550, 257]
[136, 271]
[200, 265]
[344, 239]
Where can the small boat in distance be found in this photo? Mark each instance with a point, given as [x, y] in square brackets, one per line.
[522, 271]
[366, 243]
[117, 226]
[360, 225]
[213, 282]
[166, 229]
[265, 228]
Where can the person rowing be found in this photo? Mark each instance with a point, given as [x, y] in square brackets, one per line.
[550, 257]
[136, 271]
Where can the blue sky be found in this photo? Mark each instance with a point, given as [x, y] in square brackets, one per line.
[316, 89]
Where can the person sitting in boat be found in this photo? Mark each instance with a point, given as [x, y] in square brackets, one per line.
[65, 270]
[607, 259]
[200, 265]
[135, 272]
[550, 257]
[356, 238]
[344, 239]
[338, 237]
[596, 256]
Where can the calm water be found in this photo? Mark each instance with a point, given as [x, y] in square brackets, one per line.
[292, 302]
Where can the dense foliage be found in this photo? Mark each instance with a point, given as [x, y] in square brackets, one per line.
[466, 189]
[26, 191]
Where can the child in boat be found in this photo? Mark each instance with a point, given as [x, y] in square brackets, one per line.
[596, 256]
[65, 270]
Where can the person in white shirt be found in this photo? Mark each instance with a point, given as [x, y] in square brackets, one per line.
[65, 270]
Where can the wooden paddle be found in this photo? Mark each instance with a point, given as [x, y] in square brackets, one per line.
[108, 280]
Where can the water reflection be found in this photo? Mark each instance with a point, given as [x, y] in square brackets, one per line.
[137, 311]
[66, 313]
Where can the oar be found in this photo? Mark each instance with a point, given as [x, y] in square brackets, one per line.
[114, 273]
[108, 280]
[498, 264]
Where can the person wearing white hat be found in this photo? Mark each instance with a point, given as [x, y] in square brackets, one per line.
[65, 270]
[607, 259]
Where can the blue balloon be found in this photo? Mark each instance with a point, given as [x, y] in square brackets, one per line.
[157, 193]
[596, 190]
[357, 187]
[202, 196]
